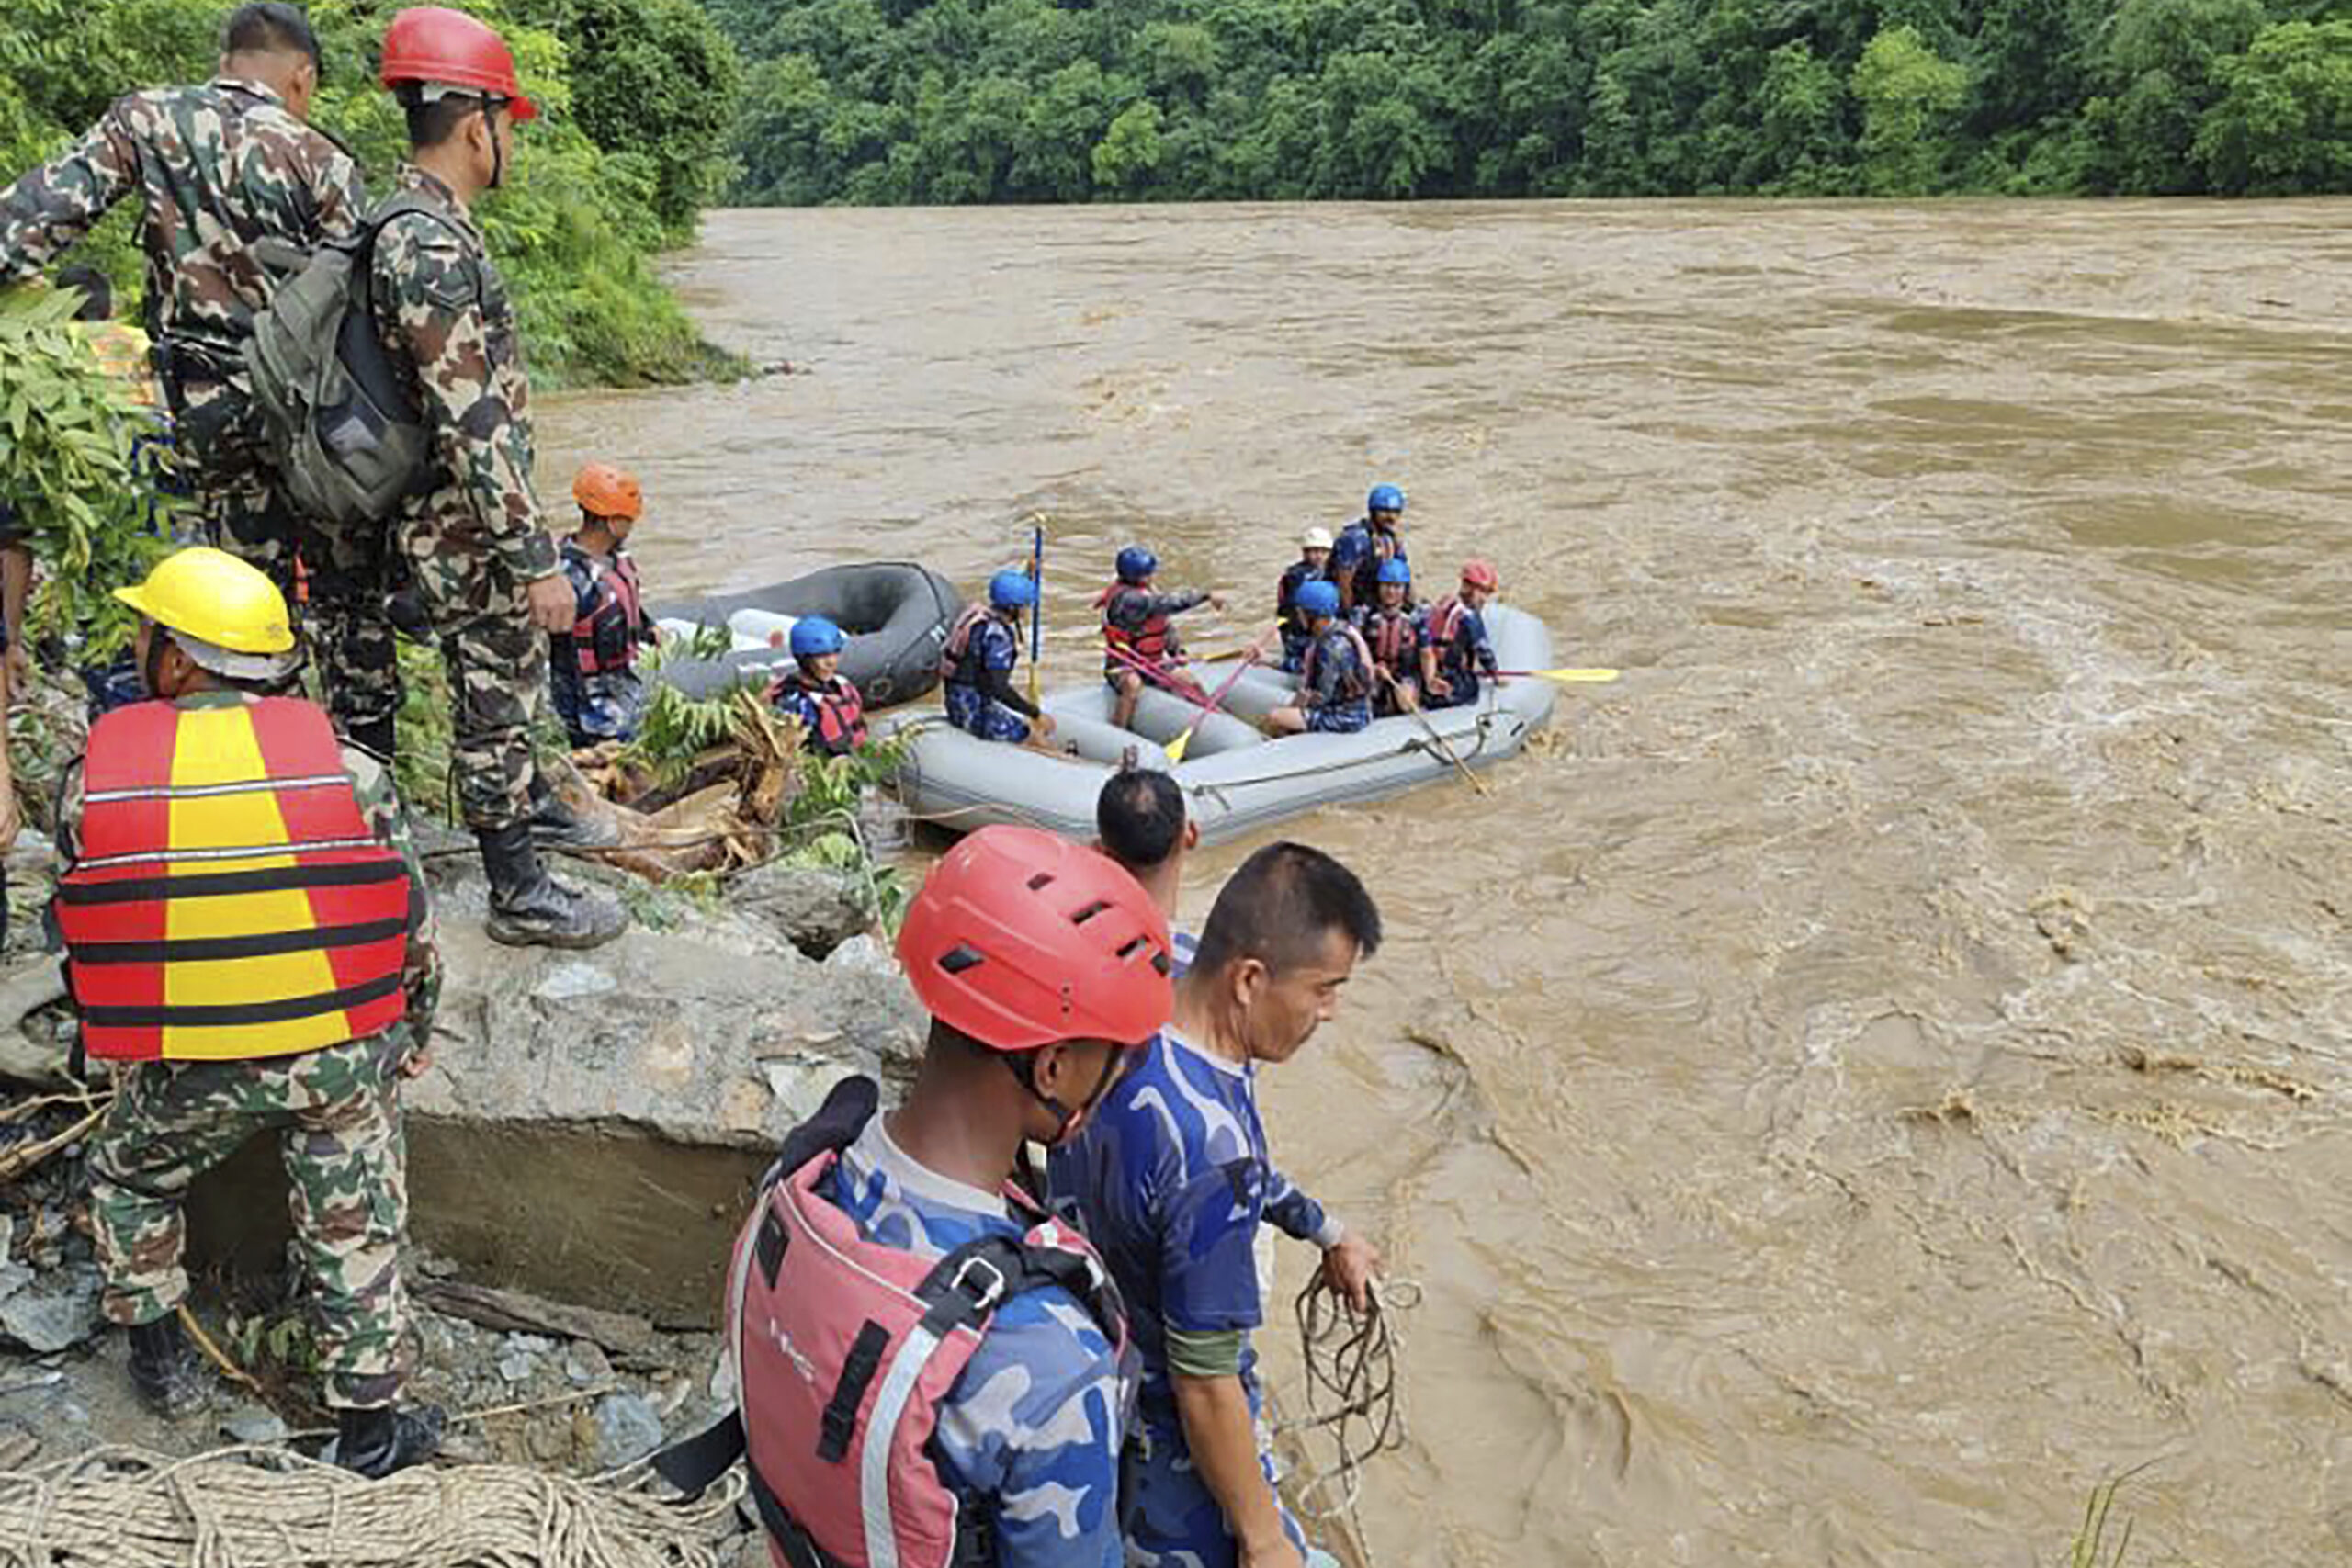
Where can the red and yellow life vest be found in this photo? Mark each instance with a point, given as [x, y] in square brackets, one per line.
[229, 900]
[1152, 642]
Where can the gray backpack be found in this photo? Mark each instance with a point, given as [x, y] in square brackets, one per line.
[345, 437]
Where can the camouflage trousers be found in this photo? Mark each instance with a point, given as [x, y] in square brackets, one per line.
[347, 621]
[498, 672]
[336, 1113]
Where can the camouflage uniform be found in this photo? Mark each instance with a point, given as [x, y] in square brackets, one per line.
[226, 175]
[474, 541]
[337, 1112]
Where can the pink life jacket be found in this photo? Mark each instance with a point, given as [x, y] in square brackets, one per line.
[956, 654]
[1394, 639]
[605, 639]
[841, 711]
[843, 1349]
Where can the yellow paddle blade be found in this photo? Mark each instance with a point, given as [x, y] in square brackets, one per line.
[1176, 748]
[1594, 675]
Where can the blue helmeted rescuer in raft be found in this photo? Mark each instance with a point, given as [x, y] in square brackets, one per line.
[1455, 649]
[1313, 565]
[1378, 536]
[1335, 677]
[827, 704]
[976, 667]
[1171, 1181]
[1391, 629]
[591, 670]
[1138, 631]
[932, 1367]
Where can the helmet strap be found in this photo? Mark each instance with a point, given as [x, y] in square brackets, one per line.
[497, 148]
[1024, 1068]
[151, 668]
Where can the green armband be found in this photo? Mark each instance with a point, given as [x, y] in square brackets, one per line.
[1213, 1355]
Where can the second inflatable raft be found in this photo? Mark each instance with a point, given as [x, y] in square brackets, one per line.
[1235, 781]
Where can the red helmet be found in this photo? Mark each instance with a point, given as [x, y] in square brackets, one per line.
[1020, 939]
[433, 44]
[1478, 574]
[604, 490]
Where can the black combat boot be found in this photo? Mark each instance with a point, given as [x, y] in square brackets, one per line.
[374, 1443]
[170, 1376]
[530, 908]
[556, 825]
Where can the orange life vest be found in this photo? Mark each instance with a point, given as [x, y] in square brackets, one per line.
[840, 709]
[228, 900]
[1152, 642]
[1393, 640]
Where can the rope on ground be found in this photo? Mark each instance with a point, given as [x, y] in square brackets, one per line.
[266, 1508]
[1351, 1395]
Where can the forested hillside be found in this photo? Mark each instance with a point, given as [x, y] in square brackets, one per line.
[1027, 101]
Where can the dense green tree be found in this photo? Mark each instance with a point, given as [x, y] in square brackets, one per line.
[1909, 97]
[2284, 121]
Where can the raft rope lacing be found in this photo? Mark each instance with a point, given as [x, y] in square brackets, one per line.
[266, 1508]
[1350, 1358]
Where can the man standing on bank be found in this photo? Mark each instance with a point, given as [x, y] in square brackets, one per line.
[1171, 1181]
[485, 567]
[236, 189]
[246, 929]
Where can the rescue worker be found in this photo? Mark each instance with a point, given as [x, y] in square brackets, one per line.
[1455, 649]
[1136, 623]
[1141, 822]
[898, 1253]
[1314, 562]
[1172, 1178]
[485, 569]
[236, 190]
[976, 666]
[827, 704]
[1377, 536]
[1391, 630]
[1335, 678]
[591, 670]
[291, 991]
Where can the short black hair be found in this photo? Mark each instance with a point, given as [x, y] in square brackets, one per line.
[96, 291]
[1140, 816]
[432, 121]
[1282, 906]
[271, 27]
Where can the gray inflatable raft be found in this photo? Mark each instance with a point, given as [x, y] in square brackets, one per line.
[1235, 781]
[897, 614]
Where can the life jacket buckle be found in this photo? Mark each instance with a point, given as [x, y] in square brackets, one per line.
[989, 1293]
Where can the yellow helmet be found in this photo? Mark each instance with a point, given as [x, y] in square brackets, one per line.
[212, 596]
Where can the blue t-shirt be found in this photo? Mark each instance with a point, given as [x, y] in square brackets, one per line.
[995, 645]
[1170, 1179]
[1036, 1418]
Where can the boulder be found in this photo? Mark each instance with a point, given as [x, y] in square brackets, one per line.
[815, 910]
[52, 1312]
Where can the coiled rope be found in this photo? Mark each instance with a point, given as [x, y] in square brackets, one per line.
[266, 1508]
[1351, 1395]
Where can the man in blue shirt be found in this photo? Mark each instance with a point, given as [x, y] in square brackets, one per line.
[1171, 1181]
[976, 667]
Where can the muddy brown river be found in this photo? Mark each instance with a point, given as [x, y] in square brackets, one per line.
[1884, 1067]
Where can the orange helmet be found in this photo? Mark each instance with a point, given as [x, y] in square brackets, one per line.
[604, 490]
[1478, 574]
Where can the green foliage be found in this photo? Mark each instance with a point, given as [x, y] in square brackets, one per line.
[428, 733]
[640, 98]
[68, 444]
[1032, 100]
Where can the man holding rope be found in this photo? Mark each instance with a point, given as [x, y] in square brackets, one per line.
[1172, 1180]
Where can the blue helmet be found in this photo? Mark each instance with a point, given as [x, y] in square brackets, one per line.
[814, 635]
[1135, 563]
[1317, 598]
[1394, 570]
[1012, 589]
[1384, 498]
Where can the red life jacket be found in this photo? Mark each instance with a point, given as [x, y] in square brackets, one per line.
[956, 661]
[843, 1349]
[1445, 625]
[1153, 642]
[841, 711]
[1355, 686]
[229, 900]
[1395, 639]
[605, 639]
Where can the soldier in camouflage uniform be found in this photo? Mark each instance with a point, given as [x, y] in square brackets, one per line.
[236, 191]
[484, 564]
[213, 632]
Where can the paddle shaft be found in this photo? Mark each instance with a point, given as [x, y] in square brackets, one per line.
[1159, 674]
[1175, 747]
[1036, 607]
[1595, 676]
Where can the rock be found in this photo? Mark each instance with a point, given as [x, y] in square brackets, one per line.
[518, 1356]
[586, 1366]
[816, 911]
[253, 1424]
[26, 987]
[52, 1312]
[626, 1430]
[575, 980]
